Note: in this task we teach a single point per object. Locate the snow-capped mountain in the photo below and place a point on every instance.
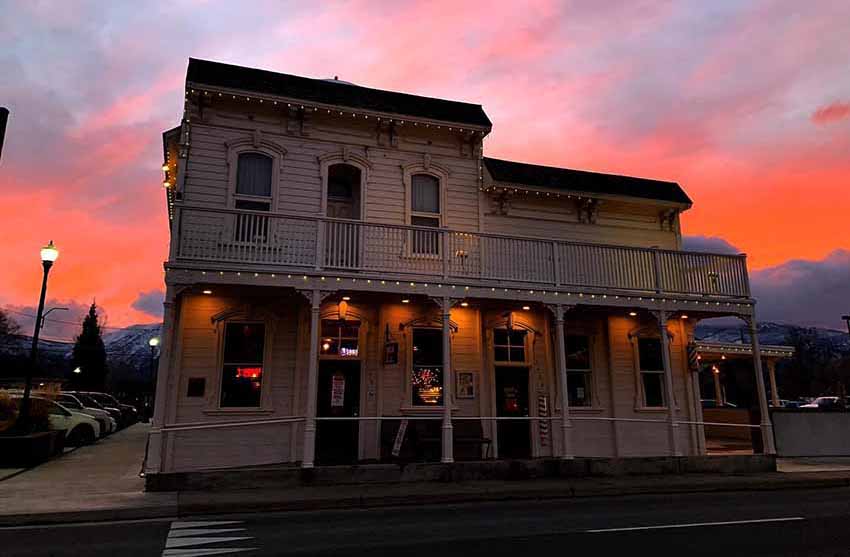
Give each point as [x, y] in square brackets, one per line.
[770, 333]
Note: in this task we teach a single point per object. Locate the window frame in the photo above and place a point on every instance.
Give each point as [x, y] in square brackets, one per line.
[359, 337]
[265, 382]
[413, 406]
[258, 145]
[640, 391]
[590, 376]
[526, 362]
[427, 168]
[346, 156]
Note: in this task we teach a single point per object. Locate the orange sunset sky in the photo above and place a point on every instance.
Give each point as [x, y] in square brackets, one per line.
[746, 104]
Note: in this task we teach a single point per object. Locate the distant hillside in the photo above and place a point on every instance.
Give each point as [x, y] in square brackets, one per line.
[771, 333]
[127, 351]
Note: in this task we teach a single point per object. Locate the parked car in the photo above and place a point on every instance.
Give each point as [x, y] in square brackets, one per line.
[824, 403]
[91, 402]
[80, 429]
[789, 403]
[129, 413]
[107, 423]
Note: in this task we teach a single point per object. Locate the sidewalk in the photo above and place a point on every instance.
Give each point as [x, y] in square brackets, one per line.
[95, 482]
[101, 482]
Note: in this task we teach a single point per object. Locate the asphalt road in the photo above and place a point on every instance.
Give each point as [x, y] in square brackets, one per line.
[799, 523]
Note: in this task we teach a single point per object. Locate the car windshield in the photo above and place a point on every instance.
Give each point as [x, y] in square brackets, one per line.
[89, 401]
[69, 402]
[103, 399]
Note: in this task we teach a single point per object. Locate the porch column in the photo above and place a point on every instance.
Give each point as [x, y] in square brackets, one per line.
[566, 423]
[766, 425]
[668, 383]
[165, 368]
[309, 456]
[718, 389]
[771, 375]
[448, 383]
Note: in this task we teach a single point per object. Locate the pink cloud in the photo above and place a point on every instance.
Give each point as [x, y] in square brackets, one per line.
[831, 113]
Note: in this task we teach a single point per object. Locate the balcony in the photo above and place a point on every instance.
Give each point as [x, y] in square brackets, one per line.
[309, 244]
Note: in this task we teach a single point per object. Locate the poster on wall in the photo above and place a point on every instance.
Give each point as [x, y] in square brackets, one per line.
[465, 385]
[390, 353]
[337, 390]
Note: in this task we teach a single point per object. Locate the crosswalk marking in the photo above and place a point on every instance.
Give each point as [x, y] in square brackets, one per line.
[186, 532]
[184, 537]
[203, 552]
[202, 524]
[183, 542]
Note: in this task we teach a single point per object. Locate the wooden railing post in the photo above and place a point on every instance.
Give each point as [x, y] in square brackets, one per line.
[556, 263]
[320, 244]
[656, 268]
[445, 241]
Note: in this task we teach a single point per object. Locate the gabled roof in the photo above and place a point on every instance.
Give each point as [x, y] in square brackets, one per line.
[333, 92]
[511, 172]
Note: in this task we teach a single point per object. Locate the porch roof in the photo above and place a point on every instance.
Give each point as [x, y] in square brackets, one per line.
[583, 181]
[734, 349]
[334, 92]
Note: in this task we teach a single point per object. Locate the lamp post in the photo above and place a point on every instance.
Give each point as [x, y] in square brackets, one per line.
[49, 253]
[153, 343]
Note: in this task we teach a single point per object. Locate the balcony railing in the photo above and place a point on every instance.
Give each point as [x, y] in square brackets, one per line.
[311, 243]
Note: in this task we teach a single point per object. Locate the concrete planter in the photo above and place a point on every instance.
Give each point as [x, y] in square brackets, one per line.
[30, 450]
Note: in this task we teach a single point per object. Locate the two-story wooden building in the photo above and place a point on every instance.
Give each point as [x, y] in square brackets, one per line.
[345, 263]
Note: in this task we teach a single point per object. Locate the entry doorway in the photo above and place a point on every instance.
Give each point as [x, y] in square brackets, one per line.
[337, 441]
[514, 436]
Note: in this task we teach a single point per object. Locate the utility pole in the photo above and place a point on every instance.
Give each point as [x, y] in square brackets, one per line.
[4, 117]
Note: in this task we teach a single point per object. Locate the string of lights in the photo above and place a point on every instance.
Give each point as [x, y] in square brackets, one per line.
[554, 293]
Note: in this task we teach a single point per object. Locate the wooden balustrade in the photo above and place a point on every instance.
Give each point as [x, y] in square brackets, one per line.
[293, 241]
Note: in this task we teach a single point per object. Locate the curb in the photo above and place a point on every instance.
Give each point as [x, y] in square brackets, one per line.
[265, 501]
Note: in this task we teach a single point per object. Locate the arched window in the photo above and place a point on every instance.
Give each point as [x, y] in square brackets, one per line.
[254, 182]
[425, 210]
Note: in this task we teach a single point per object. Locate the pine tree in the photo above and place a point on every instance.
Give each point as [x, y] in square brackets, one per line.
[90, 354]
[8, 326]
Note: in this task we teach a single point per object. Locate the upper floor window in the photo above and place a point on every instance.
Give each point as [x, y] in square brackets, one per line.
[509, 345]
[651, 366]
[242, 368]
[579, 370]
[254, 182]
[425, 210]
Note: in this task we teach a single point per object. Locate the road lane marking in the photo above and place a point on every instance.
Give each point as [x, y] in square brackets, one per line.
[184, 537]
[695, 524]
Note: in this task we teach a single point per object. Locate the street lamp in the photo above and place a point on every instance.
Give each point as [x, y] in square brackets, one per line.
[153, 343]
[49, 254]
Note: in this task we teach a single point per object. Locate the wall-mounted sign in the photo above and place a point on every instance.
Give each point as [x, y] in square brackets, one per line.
[390, 353]
[399, 438]
[337, 390]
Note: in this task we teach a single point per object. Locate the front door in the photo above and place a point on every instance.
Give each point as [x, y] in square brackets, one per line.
[339, 396]
[514, 436]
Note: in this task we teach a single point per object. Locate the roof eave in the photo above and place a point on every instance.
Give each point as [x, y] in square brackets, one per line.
[681, 205]
[450, 125]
